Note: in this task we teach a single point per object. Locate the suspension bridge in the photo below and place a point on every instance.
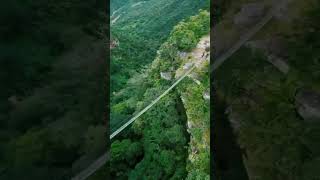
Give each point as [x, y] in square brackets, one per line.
[216, 64]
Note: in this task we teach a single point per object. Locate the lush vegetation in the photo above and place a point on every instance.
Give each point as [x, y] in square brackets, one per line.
[198, 115]
[149, 25]
[219, 7]
[52, 69]
[278, 143]
[155, 147]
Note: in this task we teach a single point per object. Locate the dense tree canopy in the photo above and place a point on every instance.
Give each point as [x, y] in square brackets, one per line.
[162, 130]
[52, 68]
[276, 141]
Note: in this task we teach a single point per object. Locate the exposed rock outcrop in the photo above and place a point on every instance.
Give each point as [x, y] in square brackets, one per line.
[187, 66]
[166, 75]
[274, 45]
[206, 95]
[183, 55]
[249, 14]
[308, 105]
[114, 44]
[274, 49]
[234, 119]
[282, 14]
[14, 100]
[279, 63]
[195, 78]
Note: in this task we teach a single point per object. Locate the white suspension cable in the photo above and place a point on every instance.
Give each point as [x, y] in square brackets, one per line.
[152, 103]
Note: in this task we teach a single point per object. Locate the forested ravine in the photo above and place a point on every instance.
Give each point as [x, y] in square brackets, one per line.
[183, 117]
[52, 98]
[270, 87]
[228, 155]
[160, 136]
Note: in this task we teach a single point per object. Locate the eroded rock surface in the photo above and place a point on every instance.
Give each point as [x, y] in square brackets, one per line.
[308, 105]
[249, 14]
[206, 95]
[234, 119]
[166, 75]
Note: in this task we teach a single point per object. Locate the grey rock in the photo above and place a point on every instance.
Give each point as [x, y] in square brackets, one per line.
[183, 99]
[183, 55]
[249, 14]
[308, 105]
[282, 14]
[234, 119]
[274, 45]
[206, 95]
[277, 46]
[194, 150]
[279, 63]
[187, 66]
[195, 78]
[13, 100]
[166, 75]
[114, 44]
[257, 44]
[190, 125]
[275, 51]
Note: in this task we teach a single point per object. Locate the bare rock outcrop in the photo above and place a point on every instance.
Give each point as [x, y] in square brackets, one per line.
[308, 105]
[274, 49]
[282, 14]
[195, 77]
[166, 75]
[187, 66]
[234, 119]
[182, 54]
[249, 14]
[274, 45]
[279, 63]
[206, 95]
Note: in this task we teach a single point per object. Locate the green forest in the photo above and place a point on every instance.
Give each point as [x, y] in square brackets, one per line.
[158, 144]
[263, 121]
[52, 99]
[263, 99]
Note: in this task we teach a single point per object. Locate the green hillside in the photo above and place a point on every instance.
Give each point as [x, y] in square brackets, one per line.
[260, 95]
[156, 146]
[149, 25]
[52, 68]
[140, 30]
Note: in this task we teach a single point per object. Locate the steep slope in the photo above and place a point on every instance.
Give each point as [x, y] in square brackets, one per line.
[140, 28]
[266, 86]
[195, 95]
[52, 68]
[148, 24]
[160, 134]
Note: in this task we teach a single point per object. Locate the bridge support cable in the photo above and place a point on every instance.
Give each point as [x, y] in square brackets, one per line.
[152, 103]
[217, 63]
[92, 168]
[103, 159]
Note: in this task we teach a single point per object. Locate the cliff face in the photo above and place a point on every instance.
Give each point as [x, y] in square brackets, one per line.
[162, 129]
[270, 96]
[141, 27]
[52, 65]
[195, 96]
